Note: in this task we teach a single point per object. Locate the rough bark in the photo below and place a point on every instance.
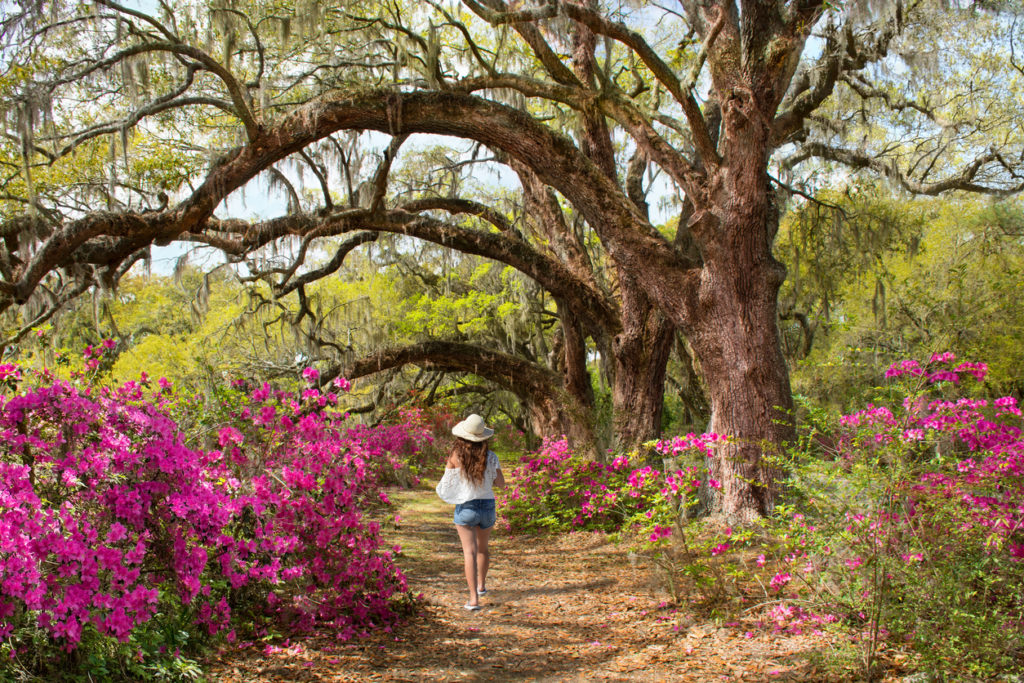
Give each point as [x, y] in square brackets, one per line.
[734, 332]
[737, 344]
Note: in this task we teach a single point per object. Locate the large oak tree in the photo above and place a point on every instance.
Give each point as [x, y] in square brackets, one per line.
[129, 129]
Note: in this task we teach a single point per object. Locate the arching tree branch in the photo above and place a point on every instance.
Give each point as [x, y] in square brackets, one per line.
[240, 237]
[628, 236]
[538, 387]
[459, 206]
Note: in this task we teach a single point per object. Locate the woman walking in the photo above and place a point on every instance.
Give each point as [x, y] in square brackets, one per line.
[470, 474]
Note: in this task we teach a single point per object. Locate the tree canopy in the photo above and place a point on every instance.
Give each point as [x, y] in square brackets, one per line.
[127, 129]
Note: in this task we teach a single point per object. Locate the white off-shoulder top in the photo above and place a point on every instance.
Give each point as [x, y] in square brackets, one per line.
[454, 488]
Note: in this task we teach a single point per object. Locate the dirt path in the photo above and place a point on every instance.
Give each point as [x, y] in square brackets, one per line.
[566, 608]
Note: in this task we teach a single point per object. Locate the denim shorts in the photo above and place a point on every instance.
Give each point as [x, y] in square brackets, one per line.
[479, 512]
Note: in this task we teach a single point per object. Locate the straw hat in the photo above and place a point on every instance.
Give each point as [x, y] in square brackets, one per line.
[473, 428]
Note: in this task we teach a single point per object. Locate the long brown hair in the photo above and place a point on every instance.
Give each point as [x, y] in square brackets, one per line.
[472, 456]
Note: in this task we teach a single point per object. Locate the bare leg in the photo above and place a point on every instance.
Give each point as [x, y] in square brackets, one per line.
[467, 535]
[483, 557]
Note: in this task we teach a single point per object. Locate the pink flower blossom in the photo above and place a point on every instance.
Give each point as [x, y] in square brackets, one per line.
[780, 580]
[131, 487]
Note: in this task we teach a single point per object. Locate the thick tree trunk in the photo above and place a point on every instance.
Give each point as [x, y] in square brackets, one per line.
[750, 398]
[735, 337]
[732, 322]
[550, 419]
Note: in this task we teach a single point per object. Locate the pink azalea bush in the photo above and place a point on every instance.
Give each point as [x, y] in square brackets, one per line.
[902, 524]
[912, 529]
[549, 489]
[556, 490]
[115, 526]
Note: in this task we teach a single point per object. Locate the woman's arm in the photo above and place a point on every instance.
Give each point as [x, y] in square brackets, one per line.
[499, 478]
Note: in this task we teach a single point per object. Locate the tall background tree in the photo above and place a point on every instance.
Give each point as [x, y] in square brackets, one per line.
[127, 129]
